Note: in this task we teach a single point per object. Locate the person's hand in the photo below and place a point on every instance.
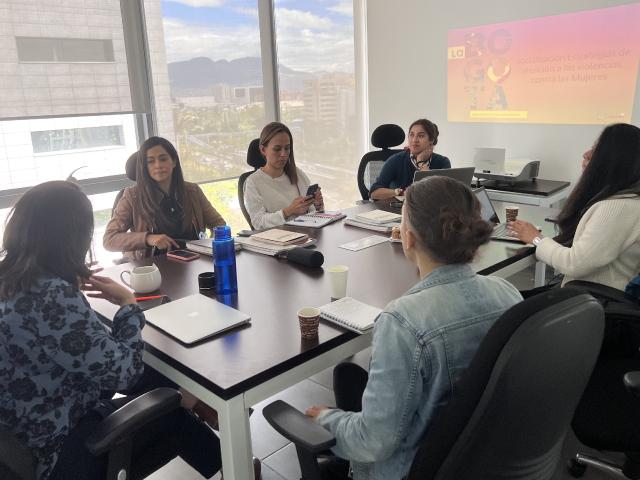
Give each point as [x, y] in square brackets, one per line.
[161, 241]
[316, 410]
[299, 206]
[399, 192]
[318, 201]
[103, 287]
[395, 233]
[525, 231]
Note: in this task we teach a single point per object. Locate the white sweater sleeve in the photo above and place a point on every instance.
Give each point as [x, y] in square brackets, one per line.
[608, 228]
[254, 204]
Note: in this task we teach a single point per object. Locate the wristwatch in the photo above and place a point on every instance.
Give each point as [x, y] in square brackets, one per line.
[536, 241]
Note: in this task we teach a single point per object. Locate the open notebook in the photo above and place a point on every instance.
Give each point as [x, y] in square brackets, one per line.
[350, 313]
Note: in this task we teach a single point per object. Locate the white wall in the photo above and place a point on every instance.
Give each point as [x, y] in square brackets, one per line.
[407, 78]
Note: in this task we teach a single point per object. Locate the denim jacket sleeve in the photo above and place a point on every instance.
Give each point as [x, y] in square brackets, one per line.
[390, 400]
[76, 339]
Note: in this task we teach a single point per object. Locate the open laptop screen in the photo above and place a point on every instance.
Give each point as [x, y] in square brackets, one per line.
[487, 211]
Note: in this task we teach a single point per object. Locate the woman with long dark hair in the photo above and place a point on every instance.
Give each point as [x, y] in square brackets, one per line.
[59, 364]
[276, 192]
[161, 209]
[599, 226]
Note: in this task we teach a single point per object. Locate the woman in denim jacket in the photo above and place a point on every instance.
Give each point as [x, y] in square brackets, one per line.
[423, 341]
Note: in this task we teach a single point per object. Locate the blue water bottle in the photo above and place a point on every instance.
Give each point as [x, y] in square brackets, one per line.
[224, 260]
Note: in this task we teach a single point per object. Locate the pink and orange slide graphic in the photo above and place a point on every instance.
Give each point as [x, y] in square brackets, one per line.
[575, 68]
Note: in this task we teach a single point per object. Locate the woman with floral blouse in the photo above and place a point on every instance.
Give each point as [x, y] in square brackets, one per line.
[59, 364]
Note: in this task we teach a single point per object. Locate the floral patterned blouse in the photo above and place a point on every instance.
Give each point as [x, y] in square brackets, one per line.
[56, 357]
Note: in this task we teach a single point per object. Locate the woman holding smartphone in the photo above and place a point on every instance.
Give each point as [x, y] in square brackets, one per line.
[279, 191]
[59, 364]
[161, 209]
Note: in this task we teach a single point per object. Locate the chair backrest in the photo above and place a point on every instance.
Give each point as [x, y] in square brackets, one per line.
[130, 170]
[16, 461]
[384, 137]
[255, 160]
[512, 409]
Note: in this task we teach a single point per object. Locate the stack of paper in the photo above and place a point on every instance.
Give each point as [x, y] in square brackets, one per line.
[279, 237]
[376, 220]
[266, 248]
[378, 217]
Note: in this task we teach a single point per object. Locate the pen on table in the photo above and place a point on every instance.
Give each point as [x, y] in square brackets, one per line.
[150, 297]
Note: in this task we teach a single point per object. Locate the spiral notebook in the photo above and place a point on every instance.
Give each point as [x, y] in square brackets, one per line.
[316, 220]
[351, 314]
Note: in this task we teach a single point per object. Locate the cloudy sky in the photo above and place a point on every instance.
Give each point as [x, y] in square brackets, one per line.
[312, 35]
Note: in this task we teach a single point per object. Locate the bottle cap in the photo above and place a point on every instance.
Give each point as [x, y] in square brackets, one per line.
[222, 233]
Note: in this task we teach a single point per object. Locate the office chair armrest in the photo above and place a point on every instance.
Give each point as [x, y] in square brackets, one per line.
[131, 417]
[602, 292]
[298, 428]
[632, 382]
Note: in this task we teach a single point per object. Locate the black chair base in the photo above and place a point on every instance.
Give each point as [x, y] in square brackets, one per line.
[630, 469]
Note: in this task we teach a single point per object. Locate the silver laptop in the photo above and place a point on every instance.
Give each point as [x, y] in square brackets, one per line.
[464, 175]
[195, 318]
[489, 160]
[488, 213]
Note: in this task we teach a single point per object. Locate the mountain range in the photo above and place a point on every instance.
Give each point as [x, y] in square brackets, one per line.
[196, 76]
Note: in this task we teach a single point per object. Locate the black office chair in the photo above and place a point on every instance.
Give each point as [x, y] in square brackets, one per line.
[130, 170]
[256, 160]
[608, 415]
[112, 437]
[510, 413]
[384, 137]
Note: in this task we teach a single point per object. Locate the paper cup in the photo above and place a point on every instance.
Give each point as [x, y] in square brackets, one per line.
[338, 278]
[511, 212]
[309, 319]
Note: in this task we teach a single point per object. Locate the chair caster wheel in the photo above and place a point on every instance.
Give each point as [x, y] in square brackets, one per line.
[576, 469]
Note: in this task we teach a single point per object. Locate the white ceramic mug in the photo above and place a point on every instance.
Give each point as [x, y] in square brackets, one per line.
[143, 279]
[338, 277]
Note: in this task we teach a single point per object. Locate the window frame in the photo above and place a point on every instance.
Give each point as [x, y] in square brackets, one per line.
[142, 94]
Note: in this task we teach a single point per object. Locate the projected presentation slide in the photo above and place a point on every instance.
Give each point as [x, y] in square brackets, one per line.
[576, 68]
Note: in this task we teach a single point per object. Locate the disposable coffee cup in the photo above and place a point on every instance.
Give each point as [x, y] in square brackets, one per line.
[511, 213]
[309, 319]
[338, 278]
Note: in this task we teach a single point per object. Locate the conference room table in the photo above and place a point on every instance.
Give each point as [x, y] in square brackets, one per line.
[237, 369]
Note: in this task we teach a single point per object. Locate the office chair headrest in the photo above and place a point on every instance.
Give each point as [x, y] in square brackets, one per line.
[254, 157]
[130, 166]
[387, 136]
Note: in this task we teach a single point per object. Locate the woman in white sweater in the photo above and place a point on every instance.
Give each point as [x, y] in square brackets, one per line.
[599, 238]
[277, 192]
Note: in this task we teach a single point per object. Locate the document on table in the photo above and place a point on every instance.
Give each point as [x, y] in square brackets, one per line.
[365, 242]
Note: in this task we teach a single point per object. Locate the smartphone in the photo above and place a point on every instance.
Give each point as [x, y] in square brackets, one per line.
[154, 302]
[182, 255]
[311, 191]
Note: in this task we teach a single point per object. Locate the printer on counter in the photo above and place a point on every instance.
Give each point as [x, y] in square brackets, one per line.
[490, 164]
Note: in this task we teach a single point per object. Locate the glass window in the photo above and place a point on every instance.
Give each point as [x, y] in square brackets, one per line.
[213, 104]
[38, 49]
[77, 138]
[317, 92]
